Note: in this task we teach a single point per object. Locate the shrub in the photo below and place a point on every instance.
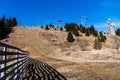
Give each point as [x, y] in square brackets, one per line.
[97, 44]
[70, 37]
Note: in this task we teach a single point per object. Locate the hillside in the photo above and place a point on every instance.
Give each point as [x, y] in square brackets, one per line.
[51, 46]
[52, 43]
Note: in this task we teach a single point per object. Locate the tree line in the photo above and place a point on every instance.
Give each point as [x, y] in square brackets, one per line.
[51, 26]
[6, 26]
[74, 29]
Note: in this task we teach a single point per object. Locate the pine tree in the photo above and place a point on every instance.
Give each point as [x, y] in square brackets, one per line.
[13, 22]
[83, 29]
[87, 32]
[6, 26]
[51, 25]
[4, 21]
[78, 27]
[1, 29]
[46, 27]
[102, 37]
[70, 27]
[92, 29]
[97, 44]
[41, 26]
[75, 32]
[95, 33]
[70, 37]
[81, 26]
[61, 28]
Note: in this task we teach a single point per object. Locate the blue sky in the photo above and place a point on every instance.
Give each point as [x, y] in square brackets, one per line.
[42, 12]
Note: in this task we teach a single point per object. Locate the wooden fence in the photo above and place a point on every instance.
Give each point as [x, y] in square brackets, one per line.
[13, 62]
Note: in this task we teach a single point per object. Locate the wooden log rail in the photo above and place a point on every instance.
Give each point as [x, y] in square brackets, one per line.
[13, 62]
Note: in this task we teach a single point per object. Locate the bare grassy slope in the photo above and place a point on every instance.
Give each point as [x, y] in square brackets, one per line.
[53, 43]
[24, 38]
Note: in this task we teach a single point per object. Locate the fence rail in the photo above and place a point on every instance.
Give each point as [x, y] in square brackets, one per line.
[13, 62]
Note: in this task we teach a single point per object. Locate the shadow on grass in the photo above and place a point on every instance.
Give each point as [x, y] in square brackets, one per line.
[38, 70]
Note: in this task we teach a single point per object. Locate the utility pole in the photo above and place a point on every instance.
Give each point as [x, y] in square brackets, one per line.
[59, 23]
[83, 20]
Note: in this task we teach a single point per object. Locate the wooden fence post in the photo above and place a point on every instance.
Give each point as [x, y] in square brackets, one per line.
[21, 69]
[4, 57]
[16, 56]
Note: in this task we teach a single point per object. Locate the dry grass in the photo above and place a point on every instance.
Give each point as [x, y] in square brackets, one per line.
[90, 71]
[51, 47]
